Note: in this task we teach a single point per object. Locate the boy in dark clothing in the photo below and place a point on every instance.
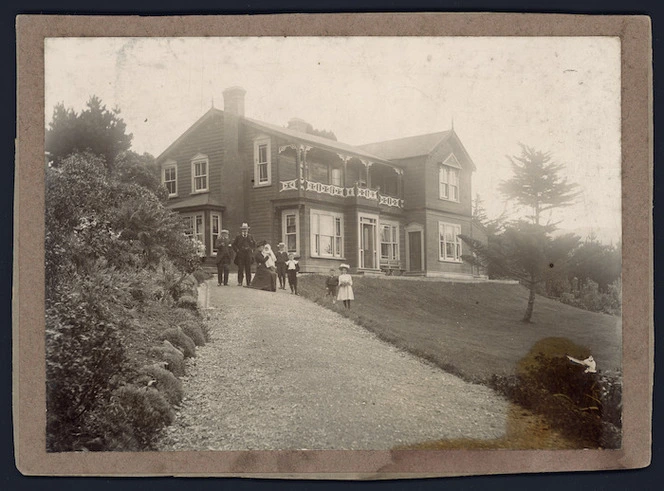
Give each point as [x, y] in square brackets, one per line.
[292, 268]
[224, 257]
[332, 283]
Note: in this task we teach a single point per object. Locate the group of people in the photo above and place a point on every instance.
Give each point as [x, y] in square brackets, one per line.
[270, 266]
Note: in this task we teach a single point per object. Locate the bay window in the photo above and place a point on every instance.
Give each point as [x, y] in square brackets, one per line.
[326, 234]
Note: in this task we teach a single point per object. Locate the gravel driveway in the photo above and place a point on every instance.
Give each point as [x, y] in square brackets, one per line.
[284, 373]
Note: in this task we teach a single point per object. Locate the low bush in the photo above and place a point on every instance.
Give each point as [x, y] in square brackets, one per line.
[188, 302]
[590, 298]
[139, 412]
[172, 357]
[195, 332]
[187, 286]
[165, 382]
[201, 275]
[180, 340]
[585, 407]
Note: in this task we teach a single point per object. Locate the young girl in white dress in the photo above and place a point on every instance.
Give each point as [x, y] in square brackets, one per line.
[345, 286]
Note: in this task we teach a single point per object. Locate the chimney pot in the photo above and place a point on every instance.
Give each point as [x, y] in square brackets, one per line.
[298, 124]
[234, 100]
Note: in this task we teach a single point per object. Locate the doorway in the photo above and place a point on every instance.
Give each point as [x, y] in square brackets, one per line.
[415, 251]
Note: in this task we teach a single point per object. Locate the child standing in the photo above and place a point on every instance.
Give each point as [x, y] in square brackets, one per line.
[331, 283]
[292, 268]
[345, 286]
[282, 258]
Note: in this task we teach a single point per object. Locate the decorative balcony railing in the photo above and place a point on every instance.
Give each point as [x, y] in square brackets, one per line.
[332, 190]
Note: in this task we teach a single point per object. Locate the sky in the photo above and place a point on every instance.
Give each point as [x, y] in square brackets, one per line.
[556, 94]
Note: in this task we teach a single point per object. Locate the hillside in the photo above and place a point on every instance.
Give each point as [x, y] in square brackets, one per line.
[472, 329]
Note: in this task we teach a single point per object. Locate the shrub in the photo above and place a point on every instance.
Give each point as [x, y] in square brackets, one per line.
[585, 407]
[188, 302]
[171, 356]
[187, 286]
[180, 340]
[201, 275]
[195, 332]
[139, 412]
[166, 383]
[85, 358]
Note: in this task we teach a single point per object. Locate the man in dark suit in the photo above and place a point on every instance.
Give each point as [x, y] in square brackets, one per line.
[244, 245]
[224, 257]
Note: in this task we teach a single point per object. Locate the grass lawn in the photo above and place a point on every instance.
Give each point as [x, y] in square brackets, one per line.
[473, 329]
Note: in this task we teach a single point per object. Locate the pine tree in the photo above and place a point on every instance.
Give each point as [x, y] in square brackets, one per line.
[95, 129]
[524, 249]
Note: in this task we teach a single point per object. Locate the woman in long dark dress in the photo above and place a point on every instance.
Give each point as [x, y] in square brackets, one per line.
[265, 278]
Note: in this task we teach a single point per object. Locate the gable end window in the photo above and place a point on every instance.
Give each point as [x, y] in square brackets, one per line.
[448, 179]
[262, 162]
[169, 178]
[199, 174]
[450, 243]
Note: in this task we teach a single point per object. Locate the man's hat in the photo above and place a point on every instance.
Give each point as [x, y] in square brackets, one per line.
[344, 266]
[244, 226]
[224, 231]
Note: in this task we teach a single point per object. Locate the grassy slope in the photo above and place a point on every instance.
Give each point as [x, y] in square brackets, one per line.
[472, 329]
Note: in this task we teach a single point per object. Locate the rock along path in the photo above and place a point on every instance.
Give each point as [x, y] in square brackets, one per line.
[284, 373]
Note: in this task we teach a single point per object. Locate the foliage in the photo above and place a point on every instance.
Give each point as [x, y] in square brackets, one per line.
[524, 249]
[165, 382]
[590, 298]
[180, 340]
[173, 358]
[140, 412]
[584, 406]
[536, 183]
[188, 302]
[598, 262]
[95, 129]
[201, 275]
[195, 332]
[312, 131]
[84, 352]
[113, 253]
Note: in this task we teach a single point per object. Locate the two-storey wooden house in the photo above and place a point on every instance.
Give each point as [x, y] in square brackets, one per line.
[395, 205]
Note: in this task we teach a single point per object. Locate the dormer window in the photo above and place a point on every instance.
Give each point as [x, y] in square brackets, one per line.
[169, 178]
[448, 179]
[262, 163]
[199, 174]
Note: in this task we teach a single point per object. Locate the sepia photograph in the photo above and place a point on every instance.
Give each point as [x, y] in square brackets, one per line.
[277, 248]
[344, 243]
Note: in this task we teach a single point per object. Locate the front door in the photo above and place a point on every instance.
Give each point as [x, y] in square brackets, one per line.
[368, 243]
[415, 250]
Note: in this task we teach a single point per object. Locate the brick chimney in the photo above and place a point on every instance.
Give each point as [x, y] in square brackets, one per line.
[298, 124]
[234, 100]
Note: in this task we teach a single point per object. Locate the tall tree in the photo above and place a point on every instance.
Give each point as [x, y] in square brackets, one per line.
[95, 129]
[524, 250]
[536, 183]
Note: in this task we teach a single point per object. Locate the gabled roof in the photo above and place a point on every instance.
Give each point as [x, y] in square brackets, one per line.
[314, 140]
[318, 141]
[404, 148]
[414, 146]
[211, 112]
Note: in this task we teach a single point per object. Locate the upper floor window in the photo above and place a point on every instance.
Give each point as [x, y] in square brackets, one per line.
[199, 174]
[169, 178]
[262, 163]
[335, 177]
[450, 243]
[448, 178]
